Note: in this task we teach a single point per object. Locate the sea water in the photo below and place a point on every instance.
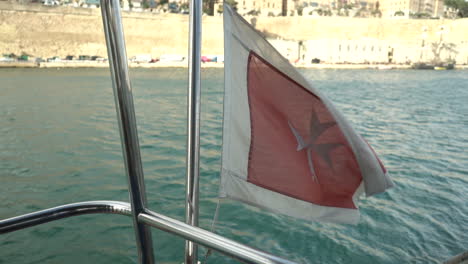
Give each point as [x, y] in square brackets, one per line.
[59, 143]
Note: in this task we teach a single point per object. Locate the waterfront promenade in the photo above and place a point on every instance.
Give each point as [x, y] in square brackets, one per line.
[92, 64]
[46, 32]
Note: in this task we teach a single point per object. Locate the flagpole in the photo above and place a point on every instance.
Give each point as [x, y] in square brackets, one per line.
[193, 126]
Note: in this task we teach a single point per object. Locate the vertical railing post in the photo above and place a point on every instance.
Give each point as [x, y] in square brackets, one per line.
[113, 29]
[193, 125]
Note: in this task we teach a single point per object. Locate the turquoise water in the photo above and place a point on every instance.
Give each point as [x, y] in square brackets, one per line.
[59, 143]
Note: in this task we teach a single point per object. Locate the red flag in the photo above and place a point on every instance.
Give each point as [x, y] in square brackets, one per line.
[285, 147]
[285, 115]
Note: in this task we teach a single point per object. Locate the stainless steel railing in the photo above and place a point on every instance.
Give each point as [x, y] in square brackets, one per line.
[118, 63]
[210, 240]
[64, 211]
[147, 218]
[193, 126]
[143, 218]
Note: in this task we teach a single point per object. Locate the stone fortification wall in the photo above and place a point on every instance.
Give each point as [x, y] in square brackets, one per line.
[302, 28]
[361, 40]
[61, 31]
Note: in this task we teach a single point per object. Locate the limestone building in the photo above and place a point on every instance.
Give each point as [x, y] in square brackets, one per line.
[263, 7]
[406, 8]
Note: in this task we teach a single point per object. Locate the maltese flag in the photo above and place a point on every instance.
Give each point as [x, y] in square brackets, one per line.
[285, 146]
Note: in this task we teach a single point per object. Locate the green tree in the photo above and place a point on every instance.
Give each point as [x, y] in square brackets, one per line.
[299, 9]
[232, 3]
[184, 6]
[208, 7]
[438, 47]
[460, 5]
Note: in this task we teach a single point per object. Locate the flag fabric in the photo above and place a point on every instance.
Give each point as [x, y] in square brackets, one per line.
[285, 146]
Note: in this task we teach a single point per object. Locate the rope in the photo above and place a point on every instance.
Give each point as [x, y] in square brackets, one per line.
[212, 229]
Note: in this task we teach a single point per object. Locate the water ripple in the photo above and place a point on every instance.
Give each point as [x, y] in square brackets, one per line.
[60, 143]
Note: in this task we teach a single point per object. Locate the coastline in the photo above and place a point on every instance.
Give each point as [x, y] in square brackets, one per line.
[184, 64]
[34, 30]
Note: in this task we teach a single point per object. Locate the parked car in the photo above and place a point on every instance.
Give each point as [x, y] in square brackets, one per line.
[84, 57]
[6, 59]
[209, 58]
[54, 59]
[51, 2]
[171, 58]
[97, 58]
[141, 58]
[173, 7]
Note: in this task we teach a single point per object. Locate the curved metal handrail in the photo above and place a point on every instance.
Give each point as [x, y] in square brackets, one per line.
[64, 211]
[191, 233]
[210, 240]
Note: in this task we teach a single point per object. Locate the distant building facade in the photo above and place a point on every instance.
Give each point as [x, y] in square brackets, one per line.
[363, 51]
[407, 8]
[261, 7]
[387, 8]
